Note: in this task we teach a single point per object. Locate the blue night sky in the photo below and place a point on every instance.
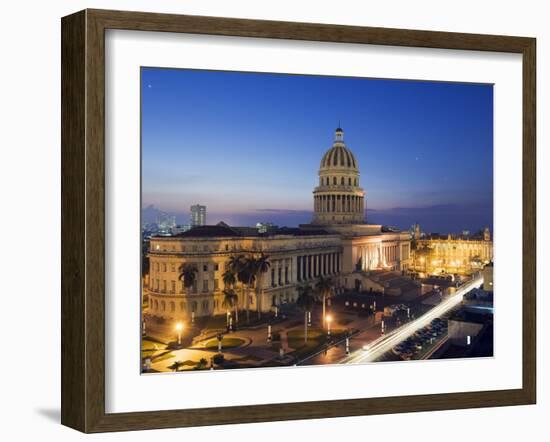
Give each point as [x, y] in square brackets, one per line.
[248, 146]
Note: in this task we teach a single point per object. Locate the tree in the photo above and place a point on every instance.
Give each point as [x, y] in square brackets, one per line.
[229, 300]
[261, 266]
[203, 363]
[188, 274]
[229, 282]
[237, 266]
[176, 366]
[305, 303]
[325, 288]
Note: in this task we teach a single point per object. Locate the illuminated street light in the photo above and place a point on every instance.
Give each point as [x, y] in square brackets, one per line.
[328, 320]
[179, 329]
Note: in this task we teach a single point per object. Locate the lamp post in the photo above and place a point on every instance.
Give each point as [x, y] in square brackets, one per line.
[269, 337]
[179, 329]
[220, 338]
[383, 326]
[328, 320]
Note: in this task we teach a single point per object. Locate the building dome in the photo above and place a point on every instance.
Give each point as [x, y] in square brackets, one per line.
[339, 156]
[338, 199]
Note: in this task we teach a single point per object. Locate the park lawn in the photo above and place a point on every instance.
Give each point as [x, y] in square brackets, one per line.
[316, 339]
[164, 356]
[149, 344]
[226, 343]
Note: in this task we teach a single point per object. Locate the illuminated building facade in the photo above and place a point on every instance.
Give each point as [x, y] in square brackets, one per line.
[453, 255]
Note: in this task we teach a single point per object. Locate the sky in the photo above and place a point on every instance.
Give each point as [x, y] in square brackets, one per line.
[249, 145]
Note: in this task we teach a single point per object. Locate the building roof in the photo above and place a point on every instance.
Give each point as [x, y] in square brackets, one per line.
[208, 232]
[223, 230]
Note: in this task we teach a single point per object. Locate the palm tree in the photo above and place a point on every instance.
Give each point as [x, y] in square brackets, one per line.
[176, 366]
[188, 274]
[261, 267]
[324, 287]
[247, 276]
[229, 282]
[305, 303]
[236, 265]
[229, 300]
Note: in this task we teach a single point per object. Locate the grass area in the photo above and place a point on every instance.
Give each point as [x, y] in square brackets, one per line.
[226, 343]
[316, 339]
[150, 344]
[150, 348]
[163, 357]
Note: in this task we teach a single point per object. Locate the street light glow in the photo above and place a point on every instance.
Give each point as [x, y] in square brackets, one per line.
[179, 326]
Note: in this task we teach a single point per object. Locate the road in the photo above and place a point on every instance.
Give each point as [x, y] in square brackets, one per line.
[386, 342]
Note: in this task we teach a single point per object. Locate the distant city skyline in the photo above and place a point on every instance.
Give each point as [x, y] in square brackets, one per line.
[248, 146]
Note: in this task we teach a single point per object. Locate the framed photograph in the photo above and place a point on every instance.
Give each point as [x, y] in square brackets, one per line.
[267, 220]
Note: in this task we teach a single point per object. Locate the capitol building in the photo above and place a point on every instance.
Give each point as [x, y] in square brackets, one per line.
[338, 243]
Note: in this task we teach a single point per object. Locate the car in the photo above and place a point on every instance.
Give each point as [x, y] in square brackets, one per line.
[397, 350]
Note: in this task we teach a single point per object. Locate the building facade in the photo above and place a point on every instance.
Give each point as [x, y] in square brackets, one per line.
[198, 215]
[453, 255]
[338, 243]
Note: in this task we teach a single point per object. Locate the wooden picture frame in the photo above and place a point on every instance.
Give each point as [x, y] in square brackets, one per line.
[83, 220]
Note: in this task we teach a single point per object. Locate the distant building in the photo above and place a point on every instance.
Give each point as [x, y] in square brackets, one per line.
[166, 222]
[180, 229]
[265, 227]
[439, 254]
[416, 231]
[198, 215]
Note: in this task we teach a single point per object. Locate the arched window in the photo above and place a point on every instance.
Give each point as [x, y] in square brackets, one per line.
[172, 306]
[182, 306]
[163, 306]
[334, 181]
[342, 181]
[350, 181]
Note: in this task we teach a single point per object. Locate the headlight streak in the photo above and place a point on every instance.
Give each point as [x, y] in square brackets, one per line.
[386, 342]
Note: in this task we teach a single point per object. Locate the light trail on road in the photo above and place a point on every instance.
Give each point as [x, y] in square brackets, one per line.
[386, 342]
